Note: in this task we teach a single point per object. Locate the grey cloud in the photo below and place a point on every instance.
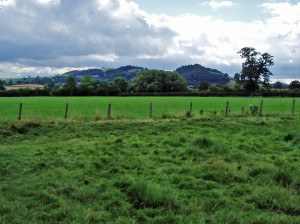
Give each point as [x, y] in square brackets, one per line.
[287, 56]
[40, 34]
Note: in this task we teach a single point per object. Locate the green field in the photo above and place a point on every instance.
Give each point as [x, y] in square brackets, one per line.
[187, 170]
[135, 107]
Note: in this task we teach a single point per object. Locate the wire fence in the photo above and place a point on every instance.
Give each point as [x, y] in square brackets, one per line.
[142, 109]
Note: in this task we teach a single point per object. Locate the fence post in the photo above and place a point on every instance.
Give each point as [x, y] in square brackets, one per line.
[109, 110]
[191, 108]
[20, 111]
[66, 113]
[243, 110]
[227, 107]
[261, 107]
[150, 110]
[293, 109]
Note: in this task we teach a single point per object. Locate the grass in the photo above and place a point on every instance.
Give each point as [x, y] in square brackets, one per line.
[136, 107]
[187, 170]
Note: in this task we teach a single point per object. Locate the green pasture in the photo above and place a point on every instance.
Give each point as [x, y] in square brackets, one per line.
[191, 170]
[136, 107]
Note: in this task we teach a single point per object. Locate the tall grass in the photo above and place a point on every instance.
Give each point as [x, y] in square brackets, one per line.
[189, 170]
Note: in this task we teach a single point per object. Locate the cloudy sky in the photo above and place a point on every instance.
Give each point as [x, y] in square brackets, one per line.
[44, 37]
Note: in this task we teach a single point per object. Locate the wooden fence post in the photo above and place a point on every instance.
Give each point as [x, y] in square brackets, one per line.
[150, 110]
[20, 111]
[109, 111]
[243, 110]
[227, 107]
[66, 113]
[191, 108]
[261, 107]
[293, 109]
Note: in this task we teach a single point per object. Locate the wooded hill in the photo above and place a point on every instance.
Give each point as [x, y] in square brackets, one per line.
[194, 74]
[107, 74]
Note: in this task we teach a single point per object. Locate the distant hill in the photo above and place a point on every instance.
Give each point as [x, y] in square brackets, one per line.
[195, 74]
[107, 74]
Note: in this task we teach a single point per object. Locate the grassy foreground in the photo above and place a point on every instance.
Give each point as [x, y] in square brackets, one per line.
[209, 170]
[135, 107]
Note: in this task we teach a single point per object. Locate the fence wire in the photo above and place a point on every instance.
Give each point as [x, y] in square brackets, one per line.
[138, 107]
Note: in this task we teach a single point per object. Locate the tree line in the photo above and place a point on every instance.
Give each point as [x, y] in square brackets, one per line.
[253, 80]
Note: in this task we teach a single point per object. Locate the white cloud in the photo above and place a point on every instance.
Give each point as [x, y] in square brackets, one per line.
[22, 69]
[215, 5]
[49, 1]
[91, 57]
[283, 12]
[5, 3]
[214, 42]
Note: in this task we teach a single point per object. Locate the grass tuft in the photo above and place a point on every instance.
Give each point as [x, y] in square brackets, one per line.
[203, 142]
[288, 137]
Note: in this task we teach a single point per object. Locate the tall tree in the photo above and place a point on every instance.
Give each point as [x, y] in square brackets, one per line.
[87, 85]
[255, 69]
[2, 85]
[121, 83]
[71, 84]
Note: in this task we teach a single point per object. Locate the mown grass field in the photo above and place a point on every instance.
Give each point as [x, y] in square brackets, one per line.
[188, 170]
[135, 107]
[24, 86]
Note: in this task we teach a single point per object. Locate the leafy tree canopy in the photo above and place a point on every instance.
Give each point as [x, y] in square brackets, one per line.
[159, 81]
[295, 84]
[255, 69]
[87, 81]
[71, 83]
[1, 85]
[203, 86]
[121, 83]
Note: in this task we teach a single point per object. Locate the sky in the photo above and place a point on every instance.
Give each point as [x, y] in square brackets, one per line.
[49, 37]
